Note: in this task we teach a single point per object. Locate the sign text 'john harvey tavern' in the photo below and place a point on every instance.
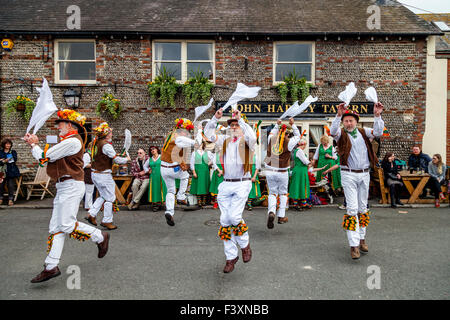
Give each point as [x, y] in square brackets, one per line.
[316, 109]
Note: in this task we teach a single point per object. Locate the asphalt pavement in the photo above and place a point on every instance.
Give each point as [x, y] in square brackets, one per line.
[306, 258]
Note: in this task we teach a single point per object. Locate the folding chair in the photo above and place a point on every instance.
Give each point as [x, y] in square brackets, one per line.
[38, 187]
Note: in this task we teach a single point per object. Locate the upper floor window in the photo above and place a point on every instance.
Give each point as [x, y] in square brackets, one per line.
[294, 57]
[183, 59]
[75, 61]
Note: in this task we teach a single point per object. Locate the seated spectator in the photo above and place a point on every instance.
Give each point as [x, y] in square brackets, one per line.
[140, 171]
[436, 169]
[392, 179]
[418, 160]
[8, 160]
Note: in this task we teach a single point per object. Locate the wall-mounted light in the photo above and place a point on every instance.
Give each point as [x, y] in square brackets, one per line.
[72, 98]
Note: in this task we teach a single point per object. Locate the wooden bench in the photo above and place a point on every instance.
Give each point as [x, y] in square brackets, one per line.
[378, 179]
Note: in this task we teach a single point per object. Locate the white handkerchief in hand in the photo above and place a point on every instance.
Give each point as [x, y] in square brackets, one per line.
[371, 94]
[347, 95]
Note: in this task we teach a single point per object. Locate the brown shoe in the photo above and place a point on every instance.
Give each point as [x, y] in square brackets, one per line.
[109, 226]
[229, 266]
[363, 247]
[1, 201]
[135, 206]
[354, 252]
[169, 219]
[282, 220]
[91, 219]
[247, 254]
[46, 275]
[103, 246]
[10, 203]
[270, 220]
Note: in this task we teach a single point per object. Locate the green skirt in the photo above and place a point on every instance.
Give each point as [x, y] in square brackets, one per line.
[299, 184]
[256, 190]
[156, 189]
[200, 185]
[335, 174]
[215, 181]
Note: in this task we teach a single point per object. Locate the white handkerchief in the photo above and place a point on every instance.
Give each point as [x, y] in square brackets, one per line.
[296, 109]
[347, 95]
[241, 92]
[371, 94]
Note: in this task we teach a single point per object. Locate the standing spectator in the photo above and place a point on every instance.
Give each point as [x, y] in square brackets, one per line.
[140, 171]
[256, 190]
[418, 160]
[326, 156]
[217, 176]
[8, 160]
[200, 161]
[157, 188]
[436, 169]
[299, 189]
[392, 178]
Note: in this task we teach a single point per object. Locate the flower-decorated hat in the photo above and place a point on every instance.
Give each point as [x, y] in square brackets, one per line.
[69, 115]
[352, 113]
[183, 123]
[102, 130]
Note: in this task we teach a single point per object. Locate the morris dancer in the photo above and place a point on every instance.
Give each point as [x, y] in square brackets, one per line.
[237, 151]
[174, 166]
[277, 162]
[65, 166]
[103, 156]
[357, 156]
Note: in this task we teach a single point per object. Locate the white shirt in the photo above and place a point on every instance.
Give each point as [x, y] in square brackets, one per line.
[233, 164]
[200, 152]
[333, 152]
[359, 156]
[301, 155]
[65, 148]
[86, 160]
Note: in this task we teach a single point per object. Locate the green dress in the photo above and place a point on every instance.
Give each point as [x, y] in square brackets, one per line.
[216, 180]
[256, 191]
[156, 187]
[322, 161]
[200, 185]
[299, 184]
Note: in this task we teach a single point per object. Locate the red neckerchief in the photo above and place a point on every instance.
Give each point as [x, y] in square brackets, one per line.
[68, 135]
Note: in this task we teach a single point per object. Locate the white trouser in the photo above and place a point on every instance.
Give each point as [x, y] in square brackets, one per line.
[169, 175]
[231, 199]
[138, 188]
[277, 183]
[107, 190]
[356, 190]
[88, 195]
[69, 194]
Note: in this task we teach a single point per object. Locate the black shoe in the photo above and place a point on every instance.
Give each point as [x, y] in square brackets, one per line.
[169, 219]
[393, 206]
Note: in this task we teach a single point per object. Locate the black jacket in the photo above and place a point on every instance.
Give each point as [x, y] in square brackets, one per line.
[12, 171]
[389, 171]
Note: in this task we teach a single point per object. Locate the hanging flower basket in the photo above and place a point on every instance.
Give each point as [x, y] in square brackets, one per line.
[22, 104]
[163, 89]
[294, 86]
[109, 104]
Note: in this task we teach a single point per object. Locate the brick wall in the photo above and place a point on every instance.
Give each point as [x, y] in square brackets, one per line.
[448, 113]
[397, 69]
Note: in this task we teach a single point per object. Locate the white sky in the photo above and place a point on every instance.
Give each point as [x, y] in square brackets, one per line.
[431, 6]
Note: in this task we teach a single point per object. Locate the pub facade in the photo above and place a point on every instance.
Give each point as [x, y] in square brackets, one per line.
[229, 42]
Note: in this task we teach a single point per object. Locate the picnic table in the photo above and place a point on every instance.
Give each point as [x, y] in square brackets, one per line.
[415, 192]
[121, 191]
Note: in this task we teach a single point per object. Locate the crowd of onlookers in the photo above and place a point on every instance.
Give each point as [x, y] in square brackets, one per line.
[206, 175]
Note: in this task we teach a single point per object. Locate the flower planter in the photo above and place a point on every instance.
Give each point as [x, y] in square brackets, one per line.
[20, 107]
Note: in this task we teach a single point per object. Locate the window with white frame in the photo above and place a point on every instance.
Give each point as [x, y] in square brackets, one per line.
[183, 59]
[294, 57]
[75, 61]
